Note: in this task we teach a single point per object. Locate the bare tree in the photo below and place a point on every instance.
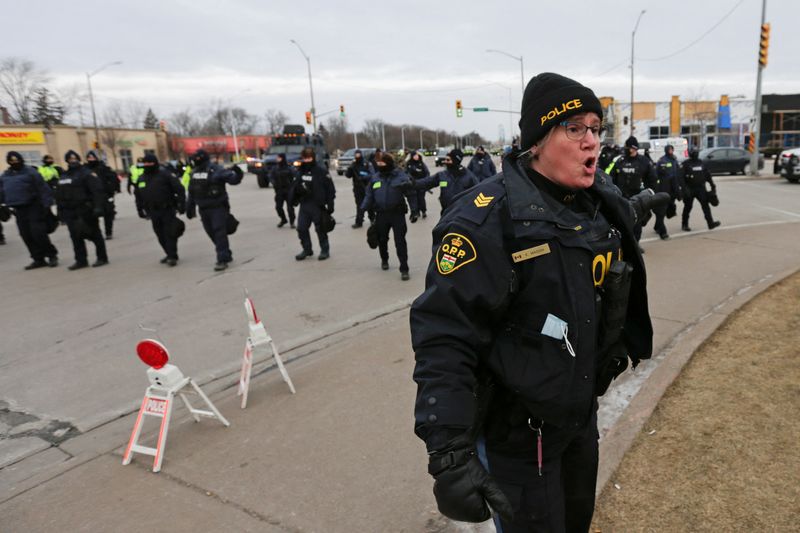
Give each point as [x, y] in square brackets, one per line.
[134, 112]
[184, 123]
[275, 120]
[338, 138]
[19, 80]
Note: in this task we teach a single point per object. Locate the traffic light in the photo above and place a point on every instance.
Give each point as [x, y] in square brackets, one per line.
[764, 45]
[459, 109]
[95, 145]
[341, 111]
[308, 117]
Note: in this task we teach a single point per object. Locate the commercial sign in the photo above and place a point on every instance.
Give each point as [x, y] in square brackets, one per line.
[21, 137]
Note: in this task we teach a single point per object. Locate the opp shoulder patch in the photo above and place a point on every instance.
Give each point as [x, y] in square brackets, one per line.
[455, 251]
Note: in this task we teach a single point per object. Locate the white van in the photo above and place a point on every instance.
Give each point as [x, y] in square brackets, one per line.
[679, 145]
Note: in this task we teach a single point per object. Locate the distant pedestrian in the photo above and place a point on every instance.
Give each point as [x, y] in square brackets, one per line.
[359, 172]
[81, 199]
[111, 186]
[667, 180]
[207, 193]
[452, 181]
[481, 164]
[386, 194]
[282, 177]
[50, 171]
[159, 195]
[417, 170]
[313, 190]
[695, 175]
[25, 191]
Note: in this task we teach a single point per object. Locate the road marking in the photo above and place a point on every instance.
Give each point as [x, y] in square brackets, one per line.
[779, 211]
[722, 229]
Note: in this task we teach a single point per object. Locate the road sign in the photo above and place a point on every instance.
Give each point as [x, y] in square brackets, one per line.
[480, 109]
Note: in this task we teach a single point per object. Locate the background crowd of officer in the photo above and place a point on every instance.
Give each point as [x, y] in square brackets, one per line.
[384, 191]
[632, 172]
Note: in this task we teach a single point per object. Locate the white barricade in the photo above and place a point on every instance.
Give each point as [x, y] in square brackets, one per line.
[165, 382]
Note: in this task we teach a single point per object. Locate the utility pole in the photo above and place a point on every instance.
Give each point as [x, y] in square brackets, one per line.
[633, 38]
[310, 85]
[755, 133]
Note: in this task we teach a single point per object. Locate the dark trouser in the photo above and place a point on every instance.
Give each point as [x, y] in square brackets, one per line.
[358, 193]
[281, 197]
[162, 220]
[32, 226]
[109, 215]
[309, 213]
[661, 214]
[215, 222]
[2, 237]
[562, 498]
[396, 221]
[688, 201]
[416, 202]
[85, 226]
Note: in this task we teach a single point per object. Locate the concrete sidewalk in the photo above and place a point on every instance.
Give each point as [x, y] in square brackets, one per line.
[340, 455]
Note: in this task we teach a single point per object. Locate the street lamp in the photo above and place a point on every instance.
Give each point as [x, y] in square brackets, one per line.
[403, 138]
[91, 98]
[521, 70]
[310, 85]
[421, 147]
[383, 137]
[633, 36]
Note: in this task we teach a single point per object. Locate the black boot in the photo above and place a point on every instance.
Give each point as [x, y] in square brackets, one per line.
[36, 264]
[685, 227]
[302, 255]
[714, 224]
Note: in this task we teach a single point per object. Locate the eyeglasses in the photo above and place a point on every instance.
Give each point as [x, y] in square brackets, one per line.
[577, 131]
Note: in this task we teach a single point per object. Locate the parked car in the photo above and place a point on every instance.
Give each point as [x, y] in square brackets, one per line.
[790, 164]
[441, 153]
[346, 159]
[728, 160]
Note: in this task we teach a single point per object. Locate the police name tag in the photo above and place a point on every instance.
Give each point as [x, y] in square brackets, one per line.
[307, 177]
[530, 253]
[65, 181]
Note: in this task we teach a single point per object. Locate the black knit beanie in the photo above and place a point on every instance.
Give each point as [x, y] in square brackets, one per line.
[549, 99]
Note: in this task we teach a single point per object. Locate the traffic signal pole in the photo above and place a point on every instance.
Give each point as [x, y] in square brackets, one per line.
[755, 133]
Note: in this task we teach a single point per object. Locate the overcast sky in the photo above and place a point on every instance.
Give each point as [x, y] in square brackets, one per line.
[404, 64]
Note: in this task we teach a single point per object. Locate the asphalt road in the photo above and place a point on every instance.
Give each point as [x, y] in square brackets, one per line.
[67, 358]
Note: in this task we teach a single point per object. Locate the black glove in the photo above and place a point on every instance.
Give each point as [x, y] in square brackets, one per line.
[238, 171]
[329, 209]
[142, 213]
[191, 213]
[646, 200]
[180, 208]
[463, 488]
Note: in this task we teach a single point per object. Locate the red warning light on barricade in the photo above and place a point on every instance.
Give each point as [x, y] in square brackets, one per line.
[152, 353]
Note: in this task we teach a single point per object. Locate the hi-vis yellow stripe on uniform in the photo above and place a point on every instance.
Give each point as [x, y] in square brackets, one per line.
[482, 200]
[530, 253]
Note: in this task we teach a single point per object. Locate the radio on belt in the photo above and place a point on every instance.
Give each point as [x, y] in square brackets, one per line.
[166, 381]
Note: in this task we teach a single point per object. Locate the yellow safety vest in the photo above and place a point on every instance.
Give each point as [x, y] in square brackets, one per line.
[136, 173]
[48, 172]
[187, 176]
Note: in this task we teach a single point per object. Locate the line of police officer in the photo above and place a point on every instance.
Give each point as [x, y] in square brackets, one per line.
[632, 172]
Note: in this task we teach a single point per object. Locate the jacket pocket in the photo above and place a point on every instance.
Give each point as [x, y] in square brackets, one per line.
[536, 366]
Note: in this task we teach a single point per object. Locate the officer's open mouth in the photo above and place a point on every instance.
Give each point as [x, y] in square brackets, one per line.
[589, 163]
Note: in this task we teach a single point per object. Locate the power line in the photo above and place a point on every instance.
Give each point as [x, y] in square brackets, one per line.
[712, 28]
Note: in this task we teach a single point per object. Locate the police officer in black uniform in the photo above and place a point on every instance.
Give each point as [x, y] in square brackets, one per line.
[524, 296]
[111, 185]
[668, 174]
[417, 170]
[24, 190]
[632, 173]
[81, 199]
[452, 181]
[159, 194]
[282, 176]
[695, 175]
[208, 194]
[360, 172]
[481, 164]
[313, 190]
[386, 194]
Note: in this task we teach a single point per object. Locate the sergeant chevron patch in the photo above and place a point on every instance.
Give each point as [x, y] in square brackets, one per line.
[482, 200]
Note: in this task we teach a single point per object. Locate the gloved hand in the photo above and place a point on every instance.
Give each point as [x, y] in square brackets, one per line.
[646, 200]
[191, 213]
[463, 488]
[238, 171]
[142, 213]
[329, 209]
[180, 208]
[98, 211]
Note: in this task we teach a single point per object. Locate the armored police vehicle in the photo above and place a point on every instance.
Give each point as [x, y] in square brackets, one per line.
[290, 143]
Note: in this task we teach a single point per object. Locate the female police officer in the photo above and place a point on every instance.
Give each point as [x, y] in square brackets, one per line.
[520, 326]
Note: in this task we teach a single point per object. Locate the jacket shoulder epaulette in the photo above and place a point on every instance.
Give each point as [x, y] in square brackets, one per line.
[476, 203]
